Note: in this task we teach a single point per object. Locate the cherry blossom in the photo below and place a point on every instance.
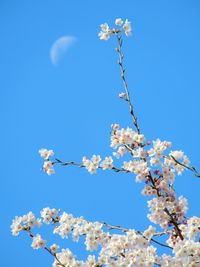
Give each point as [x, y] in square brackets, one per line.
[152, 164]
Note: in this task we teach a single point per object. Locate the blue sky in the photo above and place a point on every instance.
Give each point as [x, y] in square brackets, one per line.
[70, 107]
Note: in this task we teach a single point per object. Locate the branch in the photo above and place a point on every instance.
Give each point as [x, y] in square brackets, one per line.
[193, 169]
[124, 230]
[117, 227]
[120, 62]
[173, 221]
[66, 163]
[28, 230]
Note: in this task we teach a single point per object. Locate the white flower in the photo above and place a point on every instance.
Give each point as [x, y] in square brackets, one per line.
[96, 159]
[93, 164]
[44, 153]
[154, 161]
[122, 95]
[179, 156]
[139, 167]
[20, 222]
[127, 27]
[49, 214]
[38, 242]
[105, 27]
[107, 163]
[120, 152]
[92, 169]
[16, 226]
[54, 248]
[139, 153]
[86, 162]
[115, 126]
[91, 261]
[148, 190]
[158, 205]
[67, 258]
[31, 220]
[105, 32]
[158, 148]
[48, 167]
[50, 171]
[118, 22]
[126, 137]
[149, 232]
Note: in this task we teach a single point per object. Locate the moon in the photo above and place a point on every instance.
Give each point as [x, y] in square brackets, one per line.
[60, 47]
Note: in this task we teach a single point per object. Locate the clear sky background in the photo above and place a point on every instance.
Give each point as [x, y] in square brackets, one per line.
[69, 108]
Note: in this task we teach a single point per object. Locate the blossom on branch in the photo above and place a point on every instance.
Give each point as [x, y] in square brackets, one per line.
[44, 153]
[38, 242]
[106, 32]
[153, 164]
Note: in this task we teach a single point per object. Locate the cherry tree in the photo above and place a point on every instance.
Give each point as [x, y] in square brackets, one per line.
[156, 165]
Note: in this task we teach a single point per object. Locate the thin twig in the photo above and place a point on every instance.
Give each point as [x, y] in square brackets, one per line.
[120, 62]
[28, 230]
[66, 163]
[173, 221]
[117, 227]
[193, 169]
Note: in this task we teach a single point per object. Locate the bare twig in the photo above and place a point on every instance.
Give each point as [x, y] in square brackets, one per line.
[120, 62]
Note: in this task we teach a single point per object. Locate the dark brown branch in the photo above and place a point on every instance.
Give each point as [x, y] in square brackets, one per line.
[173, 221]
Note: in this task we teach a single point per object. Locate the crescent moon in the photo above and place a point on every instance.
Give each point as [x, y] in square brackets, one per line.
[60, 47]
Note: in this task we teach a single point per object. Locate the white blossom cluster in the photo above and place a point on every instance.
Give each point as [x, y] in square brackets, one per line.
[139, 167]
[107, 163]
[157, 151]
[106, 32]
[94, 163]
[48, 215]
[190, 230]
[67, 258]
[127, 249]
[157, 208]
[181, 157]
[125, 137]
[186, 254]
[152, 163]
[48, 165]
[38, 242]
[158, 148]
[21, 222]
[27, 222]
